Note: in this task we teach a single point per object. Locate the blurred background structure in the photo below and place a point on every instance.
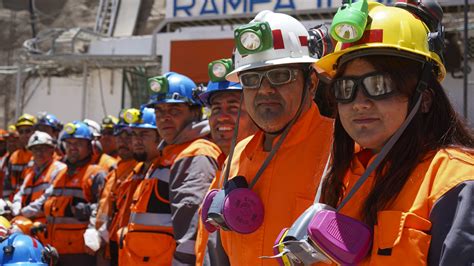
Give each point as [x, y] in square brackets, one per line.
[89, 58]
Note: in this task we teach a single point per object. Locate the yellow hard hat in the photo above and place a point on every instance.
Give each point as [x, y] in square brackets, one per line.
[389, 31]
[26, 120]
[109, 122]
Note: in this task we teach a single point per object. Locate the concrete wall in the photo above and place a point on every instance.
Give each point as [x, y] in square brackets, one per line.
[62, 96]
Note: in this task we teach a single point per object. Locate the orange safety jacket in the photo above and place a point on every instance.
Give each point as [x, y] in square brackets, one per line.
[165, 206]
[29, 200]
[19, 161]
[107, 208]
[287, 186]
[202, 234]
[402, 235]
[66, 207]
[107, 162]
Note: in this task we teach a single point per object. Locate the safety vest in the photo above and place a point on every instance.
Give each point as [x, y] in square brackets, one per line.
[65, 231]
[108, 200]
[19, 161]
[35, 184]
[150, 239]
[287, 186]
[402, 233]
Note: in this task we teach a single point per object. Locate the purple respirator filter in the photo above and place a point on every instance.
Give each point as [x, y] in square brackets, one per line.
[344, 239]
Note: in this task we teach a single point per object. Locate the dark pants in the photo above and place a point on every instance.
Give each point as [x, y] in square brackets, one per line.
[113, 253]
[76, 259]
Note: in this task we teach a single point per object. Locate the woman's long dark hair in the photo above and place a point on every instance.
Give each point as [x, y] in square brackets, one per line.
[436, 128]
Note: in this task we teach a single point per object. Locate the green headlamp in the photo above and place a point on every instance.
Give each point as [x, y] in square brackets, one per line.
[218, 69]
[132, 116]
[253, 38]
[70, 128]
[349, 22]
[158, 84]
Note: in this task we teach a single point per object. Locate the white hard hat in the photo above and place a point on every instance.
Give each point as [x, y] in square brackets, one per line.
[5, 207]
[290, 45]
[93, 126]
[40, 138]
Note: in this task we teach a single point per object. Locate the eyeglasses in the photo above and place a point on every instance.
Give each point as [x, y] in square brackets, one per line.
[375, 86]
[276, 77]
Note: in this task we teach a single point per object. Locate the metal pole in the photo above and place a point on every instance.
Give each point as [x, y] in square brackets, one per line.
[32, 18]
[466, 62]
[84, 90]
[18, 107]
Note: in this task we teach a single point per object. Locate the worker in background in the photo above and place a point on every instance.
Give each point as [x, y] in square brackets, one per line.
[50, 124]
[166, 202]
[21, 158]
[13, 139]
[108, 208]
[145, 140]
[107, 137]
[74, 196]
[38, 177]
[98, 156]
[278, 169]
[223, 99]
[29, 200]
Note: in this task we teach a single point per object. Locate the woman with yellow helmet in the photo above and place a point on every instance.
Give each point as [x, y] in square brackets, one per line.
[402, 163]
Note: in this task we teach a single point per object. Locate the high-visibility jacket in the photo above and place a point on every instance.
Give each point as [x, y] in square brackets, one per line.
[108, 200]
[164, 212]
[287, 186]
[107, 162]
[431, 219]
[72, 198]
[203, 243]
[123, 201]
[19, 161]
[29, 200]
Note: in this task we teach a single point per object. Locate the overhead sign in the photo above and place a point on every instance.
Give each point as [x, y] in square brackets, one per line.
[199, 8]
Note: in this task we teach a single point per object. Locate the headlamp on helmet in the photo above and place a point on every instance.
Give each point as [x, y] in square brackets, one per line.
[70, 128]
[132, 116]
[218, 69]
[253, 38]
[158, 84]
[349, 22]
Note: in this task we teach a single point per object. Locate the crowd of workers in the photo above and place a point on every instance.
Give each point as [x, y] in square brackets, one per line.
[264, 178]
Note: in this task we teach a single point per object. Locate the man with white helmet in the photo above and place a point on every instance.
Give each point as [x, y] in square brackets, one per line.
[29, 200]
[277, 170]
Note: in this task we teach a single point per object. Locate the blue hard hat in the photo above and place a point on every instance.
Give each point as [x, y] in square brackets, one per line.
[221, 86]
[76, 130]
[143, 118]
[19, 249]
[121, 124]
[172, 88]
[49, 120]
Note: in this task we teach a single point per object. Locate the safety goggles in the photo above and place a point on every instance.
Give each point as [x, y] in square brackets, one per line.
[375, 85]
[276, 77]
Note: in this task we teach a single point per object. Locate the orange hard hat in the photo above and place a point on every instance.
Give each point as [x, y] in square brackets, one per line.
[23, 223]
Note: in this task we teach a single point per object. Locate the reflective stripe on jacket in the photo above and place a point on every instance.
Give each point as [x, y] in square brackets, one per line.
[73, 197]
[18, 162]
[287, 187]
[29, 200]
[164, 211]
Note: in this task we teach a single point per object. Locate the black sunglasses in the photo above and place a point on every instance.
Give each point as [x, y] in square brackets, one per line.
[375, 85]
